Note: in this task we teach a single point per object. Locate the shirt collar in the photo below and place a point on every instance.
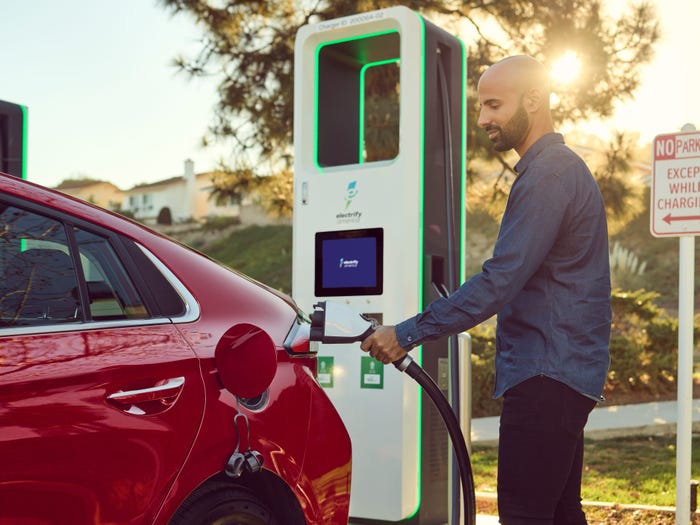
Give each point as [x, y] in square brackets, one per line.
[537, 148]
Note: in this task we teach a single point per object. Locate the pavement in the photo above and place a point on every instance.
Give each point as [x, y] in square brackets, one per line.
[603, 423]
[608, 421]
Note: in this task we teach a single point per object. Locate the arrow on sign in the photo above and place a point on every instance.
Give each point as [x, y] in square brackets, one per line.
[670, 218]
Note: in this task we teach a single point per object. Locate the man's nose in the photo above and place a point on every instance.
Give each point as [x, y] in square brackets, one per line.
[482, 121]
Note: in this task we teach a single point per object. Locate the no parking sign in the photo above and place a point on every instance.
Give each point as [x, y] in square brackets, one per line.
[675, 211]
[675, 189]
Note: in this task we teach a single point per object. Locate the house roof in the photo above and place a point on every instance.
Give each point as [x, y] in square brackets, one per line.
[74, 184]
[164, 182]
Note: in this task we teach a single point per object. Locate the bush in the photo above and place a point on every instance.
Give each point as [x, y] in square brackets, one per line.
[643, 348]
[483, 371]
[643, 354]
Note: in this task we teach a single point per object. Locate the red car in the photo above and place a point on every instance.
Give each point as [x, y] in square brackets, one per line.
[141, 382]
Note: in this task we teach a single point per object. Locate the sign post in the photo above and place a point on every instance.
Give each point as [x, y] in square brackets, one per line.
[675, 211]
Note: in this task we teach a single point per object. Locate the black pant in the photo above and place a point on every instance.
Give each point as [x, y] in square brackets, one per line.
[540, 454]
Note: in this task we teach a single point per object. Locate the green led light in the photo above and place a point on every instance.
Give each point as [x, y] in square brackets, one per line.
[421, 242]
[463, 173]
[362, 60]
[24, 141]
[316, 97]
[362, 100]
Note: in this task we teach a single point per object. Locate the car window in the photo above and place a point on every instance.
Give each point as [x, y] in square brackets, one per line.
[38, 284]
[39, 280]
[112, 294]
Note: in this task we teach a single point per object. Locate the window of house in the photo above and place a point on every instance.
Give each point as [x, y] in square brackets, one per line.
[147, 201]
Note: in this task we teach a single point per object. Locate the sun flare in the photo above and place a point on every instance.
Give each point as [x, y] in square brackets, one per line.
[566, 69]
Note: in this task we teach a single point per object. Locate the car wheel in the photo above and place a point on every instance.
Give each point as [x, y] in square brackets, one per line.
[221, 503]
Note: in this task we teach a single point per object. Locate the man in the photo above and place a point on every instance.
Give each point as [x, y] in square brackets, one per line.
[549, 283]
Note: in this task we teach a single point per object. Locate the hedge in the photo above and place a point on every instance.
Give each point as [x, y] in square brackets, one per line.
[643, 354]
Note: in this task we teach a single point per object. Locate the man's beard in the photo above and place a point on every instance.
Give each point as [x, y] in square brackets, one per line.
[512, 133]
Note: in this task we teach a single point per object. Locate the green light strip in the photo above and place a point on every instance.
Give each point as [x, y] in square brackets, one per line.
[463, 173]
[24, 141]
[317, 75]
[360, 160]
[421, 267]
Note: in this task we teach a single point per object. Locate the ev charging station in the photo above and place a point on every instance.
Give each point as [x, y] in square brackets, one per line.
[379, 185]
[13, 139]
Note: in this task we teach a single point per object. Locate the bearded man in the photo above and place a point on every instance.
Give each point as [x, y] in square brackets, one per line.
[549, 283]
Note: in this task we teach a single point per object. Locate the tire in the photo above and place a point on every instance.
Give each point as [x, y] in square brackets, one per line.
[222, 503]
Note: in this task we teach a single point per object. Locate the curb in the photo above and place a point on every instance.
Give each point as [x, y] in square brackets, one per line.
[490, 496]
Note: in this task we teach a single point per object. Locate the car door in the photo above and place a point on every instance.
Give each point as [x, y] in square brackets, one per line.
[99, 400]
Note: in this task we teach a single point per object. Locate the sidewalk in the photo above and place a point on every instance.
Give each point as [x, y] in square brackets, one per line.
[609, 421]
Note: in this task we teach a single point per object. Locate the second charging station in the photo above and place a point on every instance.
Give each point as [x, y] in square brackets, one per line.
[379, 194]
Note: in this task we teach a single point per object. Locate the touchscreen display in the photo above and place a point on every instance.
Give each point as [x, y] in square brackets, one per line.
[349, 262]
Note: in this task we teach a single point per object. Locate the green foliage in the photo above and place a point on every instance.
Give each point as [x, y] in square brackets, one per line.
[643, 346]
[230, 185]
[626, 269]
[218, 223]
[643, 354]
[249, 46]
[261, 252]
[622, 191]
[483, 371]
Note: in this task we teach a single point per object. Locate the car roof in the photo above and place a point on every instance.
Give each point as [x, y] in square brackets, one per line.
[59, 201]
[125, 226]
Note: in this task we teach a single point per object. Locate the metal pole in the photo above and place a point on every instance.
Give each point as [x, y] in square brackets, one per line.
[686, 287]
[684, 428]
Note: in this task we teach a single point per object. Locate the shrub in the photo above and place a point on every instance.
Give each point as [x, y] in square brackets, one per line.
[483, 371]
[643, 347]
[626, 270]
[643, 354]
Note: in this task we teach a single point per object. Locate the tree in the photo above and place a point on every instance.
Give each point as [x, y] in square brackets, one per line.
[249, 44]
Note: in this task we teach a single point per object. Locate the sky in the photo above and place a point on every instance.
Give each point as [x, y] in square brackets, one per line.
[104, 100]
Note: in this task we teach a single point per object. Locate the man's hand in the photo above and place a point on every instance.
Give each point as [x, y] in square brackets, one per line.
[383, 345]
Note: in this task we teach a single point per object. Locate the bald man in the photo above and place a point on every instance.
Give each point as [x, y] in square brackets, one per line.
[549, 282]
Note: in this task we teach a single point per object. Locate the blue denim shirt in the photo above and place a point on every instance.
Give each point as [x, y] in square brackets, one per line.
[548, 279]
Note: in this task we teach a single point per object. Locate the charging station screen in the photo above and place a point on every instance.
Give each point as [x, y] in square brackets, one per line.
[349, 262]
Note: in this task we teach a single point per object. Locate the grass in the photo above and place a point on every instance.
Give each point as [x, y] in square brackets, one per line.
[261, 252]
[620, 476]
[628, 471]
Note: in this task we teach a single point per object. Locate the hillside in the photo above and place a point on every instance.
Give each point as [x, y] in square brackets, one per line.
[265, 253]
[261, 252]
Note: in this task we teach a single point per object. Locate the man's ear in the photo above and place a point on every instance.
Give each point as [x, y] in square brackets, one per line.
[532, 100]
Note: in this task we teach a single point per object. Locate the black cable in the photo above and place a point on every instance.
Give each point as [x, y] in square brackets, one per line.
[453, 429]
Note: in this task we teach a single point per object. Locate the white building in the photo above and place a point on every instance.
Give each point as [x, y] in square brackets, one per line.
[177, 199]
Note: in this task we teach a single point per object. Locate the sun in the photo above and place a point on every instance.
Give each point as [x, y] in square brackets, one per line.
[565, 70]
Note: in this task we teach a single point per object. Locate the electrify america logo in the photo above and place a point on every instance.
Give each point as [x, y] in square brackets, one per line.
[345, 216]
[350, 193]
[348, 263]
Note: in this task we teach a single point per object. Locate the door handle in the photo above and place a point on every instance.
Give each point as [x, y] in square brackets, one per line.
[169, 389]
